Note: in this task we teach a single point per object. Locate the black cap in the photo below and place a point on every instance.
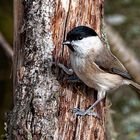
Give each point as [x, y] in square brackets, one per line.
[80, 32]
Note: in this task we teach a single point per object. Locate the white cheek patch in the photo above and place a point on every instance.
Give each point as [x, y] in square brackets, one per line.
[86, 44]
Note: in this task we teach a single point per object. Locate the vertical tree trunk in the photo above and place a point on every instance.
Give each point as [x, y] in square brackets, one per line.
[42, 102]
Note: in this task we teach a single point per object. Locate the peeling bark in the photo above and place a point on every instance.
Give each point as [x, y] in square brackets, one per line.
[42, 98]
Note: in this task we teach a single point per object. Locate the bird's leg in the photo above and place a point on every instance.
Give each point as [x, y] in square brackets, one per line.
[72, 78]
[101, 96]
[65, 69]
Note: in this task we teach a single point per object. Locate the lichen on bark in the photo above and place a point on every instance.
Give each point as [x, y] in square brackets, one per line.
[35, 105]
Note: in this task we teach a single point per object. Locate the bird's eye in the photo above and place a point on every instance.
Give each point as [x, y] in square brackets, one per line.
[79, 38]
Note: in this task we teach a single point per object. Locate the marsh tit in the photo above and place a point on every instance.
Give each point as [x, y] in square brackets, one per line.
[94, 64]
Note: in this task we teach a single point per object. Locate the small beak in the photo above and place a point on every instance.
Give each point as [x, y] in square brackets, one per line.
[66, 42]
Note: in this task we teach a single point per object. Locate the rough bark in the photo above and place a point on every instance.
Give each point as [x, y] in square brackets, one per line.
[42, 98]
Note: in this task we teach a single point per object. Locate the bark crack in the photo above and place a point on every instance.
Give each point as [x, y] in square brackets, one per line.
[65, 26]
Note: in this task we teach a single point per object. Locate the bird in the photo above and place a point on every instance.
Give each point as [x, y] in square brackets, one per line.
[95, 65]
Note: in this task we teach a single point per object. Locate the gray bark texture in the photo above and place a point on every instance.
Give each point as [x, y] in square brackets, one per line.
[43, 99]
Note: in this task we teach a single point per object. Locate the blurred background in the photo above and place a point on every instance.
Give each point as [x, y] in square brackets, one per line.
[124, 17]
[6, 31]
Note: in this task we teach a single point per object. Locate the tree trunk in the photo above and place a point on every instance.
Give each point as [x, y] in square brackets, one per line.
[42, 98]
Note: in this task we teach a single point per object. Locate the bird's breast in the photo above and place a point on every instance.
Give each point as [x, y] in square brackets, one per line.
[84, 70]
[77, 63]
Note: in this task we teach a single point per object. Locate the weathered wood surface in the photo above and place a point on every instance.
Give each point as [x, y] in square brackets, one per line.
[42, 102]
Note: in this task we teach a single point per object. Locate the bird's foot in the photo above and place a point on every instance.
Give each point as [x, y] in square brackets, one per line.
[79, 112]
[73, 79]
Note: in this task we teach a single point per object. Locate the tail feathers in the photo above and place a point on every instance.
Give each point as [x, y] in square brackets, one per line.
[137, 86]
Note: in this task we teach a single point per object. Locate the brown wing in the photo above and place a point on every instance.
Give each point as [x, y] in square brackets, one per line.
[108, 62]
